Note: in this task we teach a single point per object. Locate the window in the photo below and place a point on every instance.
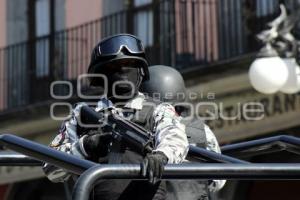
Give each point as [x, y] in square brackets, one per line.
[42, 21]
[266, 7]
[143, 22]
[141, 2]
[143, 27]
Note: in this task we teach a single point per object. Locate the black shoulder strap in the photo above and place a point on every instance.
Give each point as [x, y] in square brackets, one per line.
[194, 128]
[195, 131]
[144, 117]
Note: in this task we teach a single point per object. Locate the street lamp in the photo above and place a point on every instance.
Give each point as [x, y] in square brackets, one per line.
[275, 67]
[292, 85]
[268, 73]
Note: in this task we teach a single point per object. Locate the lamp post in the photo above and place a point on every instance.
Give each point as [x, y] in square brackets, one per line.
[275, 67]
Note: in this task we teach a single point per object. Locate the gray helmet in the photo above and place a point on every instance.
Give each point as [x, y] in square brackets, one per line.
[165, 84]
[169, 83]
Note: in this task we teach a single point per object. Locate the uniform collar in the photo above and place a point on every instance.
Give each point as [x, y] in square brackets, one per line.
[104, 103]
[136, 102]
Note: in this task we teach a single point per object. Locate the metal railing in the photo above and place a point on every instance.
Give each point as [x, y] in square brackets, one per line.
[179, 33]
[244, 150]
[91, 172]
[266, 171]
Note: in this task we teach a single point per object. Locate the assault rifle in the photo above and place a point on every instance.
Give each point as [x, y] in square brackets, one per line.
[131, 134]
[138, 138]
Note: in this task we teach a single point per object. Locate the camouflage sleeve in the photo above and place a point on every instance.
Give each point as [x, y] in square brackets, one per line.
[213, 145]
[66, 141]
[170, 136]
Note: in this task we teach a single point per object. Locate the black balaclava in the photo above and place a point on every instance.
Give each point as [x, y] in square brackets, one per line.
[123, 82]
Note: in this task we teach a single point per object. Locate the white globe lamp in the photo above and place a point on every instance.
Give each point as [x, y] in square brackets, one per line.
[268, 73]
[292, 85]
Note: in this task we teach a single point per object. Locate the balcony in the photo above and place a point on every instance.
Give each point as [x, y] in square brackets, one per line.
[181, 33]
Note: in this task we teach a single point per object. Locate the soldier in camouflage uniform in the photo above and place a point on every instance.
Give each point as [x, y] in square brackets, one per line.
[172, 89]
[121, 59]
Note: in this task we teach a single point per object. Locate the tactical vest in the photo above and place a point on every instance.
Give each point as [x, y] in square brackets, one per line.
[143, 117]
[194, 127]
[177, 190]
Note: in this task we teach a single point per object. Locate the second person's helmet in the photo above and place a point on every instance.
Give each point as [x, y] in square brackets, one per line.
[166, 84]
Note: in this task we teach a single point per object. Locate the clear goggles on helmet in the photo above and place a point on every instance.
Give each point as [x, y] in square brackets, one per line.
[114, 45]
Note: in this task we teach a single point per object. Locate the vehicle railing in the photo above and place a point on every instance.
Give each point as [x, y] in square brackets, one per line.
[266, 171]
[34, 154]
[37, 151]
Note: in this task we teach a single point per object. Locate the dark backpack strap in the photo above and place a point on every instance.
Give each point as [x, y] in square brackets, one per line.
[144, 117]
[195, 132]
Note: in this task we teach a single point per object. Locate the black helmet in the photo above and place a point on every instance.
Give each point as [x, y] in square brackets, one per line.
[118, 49]
[167, 82]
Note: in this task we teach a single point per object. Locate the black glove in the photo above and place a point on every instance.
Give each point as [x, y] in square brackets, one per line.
[96, 144]
[153, 166]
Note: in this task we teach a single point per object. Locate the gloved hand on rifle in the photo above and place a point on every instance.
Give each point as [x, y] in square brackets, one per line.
[95, 143]
[153, 166]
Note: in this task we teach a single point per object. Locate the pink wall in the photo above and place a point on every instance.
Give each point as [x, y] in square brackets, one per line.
[204, 44]
[79, 12]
